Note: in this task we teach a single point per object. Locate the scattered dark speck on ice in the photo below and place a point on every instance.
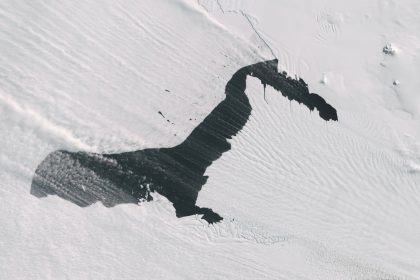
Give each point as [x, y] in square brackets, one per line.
[177, 172]
[160, 113]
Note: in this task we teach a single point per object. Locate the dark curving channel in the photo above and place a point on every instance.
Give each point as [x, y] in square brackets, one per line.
[176, 173]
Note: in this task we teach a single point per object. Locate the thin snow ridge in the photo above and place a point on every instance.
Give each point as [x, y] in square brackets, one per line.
[257, 32]
[246, 17]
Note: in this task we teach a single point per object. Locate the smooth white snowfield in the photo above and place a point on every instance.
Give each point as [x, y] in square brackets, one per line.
[301, 198]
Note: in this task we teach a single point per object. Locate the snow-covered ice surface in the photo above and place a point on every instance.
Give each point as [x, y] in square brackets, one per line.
[301, 198]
